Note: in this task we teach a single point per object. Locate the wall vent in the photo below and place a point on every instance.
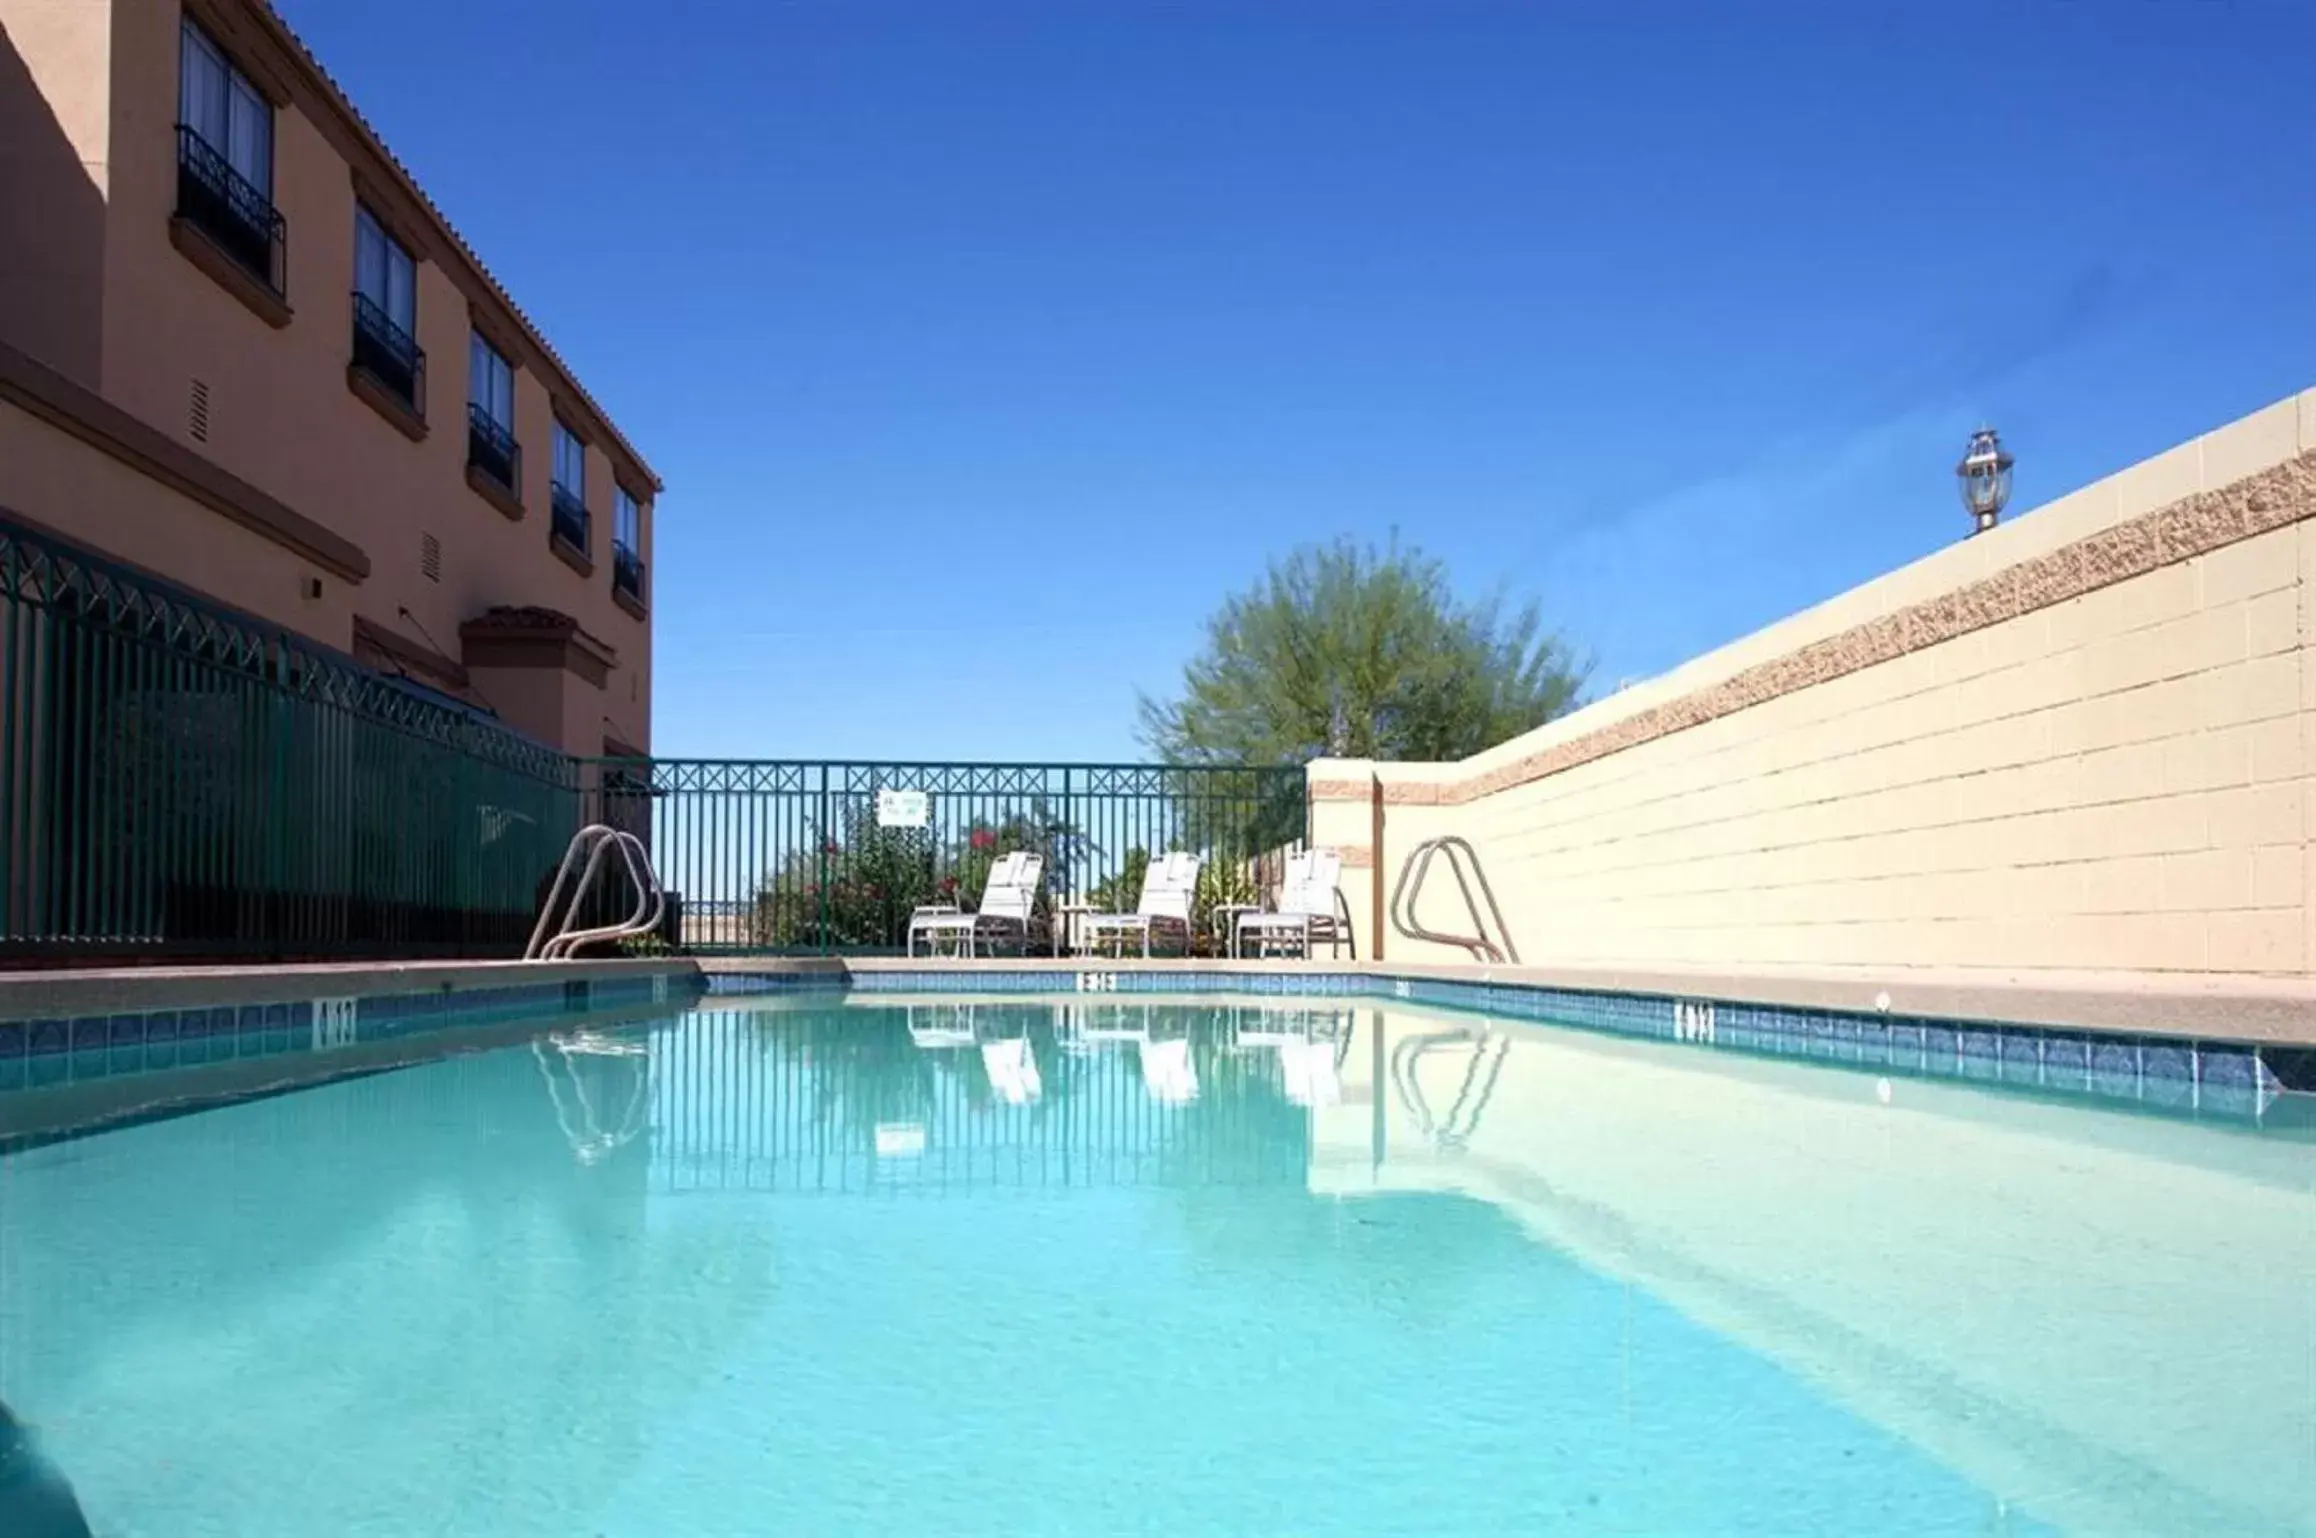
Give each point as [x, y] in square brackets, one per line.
[430, 557]
[197, 420]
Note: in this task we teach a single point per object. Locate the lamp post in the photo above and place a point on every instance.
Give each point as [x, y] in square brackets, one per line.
[1985, 477]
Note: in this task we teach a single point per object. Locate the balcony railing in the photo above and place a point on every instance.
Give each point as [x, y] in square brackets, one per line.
[627, 572]
[493, 450]
[230, 209]
[568, 517]
[389, 354]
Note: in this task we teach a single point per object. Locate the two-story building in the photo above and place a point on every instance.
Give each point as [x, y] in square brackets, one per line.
[242, 351]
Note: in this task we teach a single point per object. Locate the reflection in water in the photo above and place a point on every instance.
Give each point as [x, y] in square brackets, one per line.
[2103, 1318]
[1479, 1055]
[364, 1307]
[594, 1130]
[1004, 1267]
[1310, 1043]
[1012, 1070]
[989, 1094]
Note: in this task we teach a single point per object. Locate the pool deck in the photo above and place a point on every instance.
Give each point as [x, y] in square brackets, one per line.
[2265, 1010]
[2260, 1010]
[104, 990]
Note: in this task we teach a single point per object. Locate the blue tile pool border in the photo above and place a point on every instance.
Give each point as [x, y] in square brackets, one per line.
[43, 1053]
[2171, 1074]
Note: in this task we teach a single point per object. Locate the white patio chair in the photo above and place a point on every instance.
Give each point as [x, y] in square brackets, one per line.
[1311, 909]
[1169, 897]
[1008, 909]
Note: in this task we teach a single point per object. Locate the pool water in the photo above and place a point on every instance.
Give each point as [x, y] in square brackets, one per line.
[850, 1266]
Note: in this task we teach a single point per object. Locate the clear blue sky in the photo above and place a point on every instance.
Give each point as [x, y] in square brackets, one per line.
[985, 344]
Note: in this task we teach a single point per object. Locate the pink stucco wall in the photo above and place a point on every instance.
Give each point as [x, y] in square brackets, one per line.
[280, 413]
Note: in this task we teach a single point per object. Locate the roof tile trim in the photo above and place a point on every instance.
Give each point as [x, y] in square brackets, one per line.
[454, 247]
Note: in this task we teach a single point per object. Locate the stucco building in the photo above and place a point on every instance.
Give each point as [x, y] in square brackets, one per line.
[242, 351]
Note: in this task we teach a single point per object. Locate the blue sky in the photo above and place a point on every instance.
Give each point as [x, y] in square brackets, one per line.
[984, 346]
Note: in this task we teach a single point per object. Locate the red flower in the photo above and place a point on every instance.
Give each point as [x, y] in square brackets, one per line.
[983, 839]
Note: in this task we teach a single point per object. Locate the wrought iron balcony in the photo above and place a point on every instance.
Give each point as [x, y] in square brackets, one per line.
[230, 209]
[568, 517]
[389, 354]
[627, 572]
[493, 450]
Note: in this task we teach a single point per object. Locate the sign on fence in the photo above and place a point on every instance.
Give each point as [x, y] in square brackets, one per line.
[903, 809]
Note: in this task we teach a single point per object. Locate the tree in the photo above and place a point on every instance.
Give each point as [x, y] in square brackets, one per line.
[1346, 651]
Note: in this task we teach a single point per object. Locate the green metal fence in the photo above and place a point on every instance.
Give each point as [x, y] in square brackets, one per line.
[176, 779]
[180, 780]
[830, 858]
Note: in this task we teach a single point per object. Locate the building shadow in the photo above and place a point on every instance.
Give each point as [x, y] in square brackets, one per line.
[52, 214]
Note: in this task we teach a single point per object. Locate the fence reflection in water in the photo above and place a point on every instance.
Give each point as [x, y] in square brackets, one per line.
[902, 1098]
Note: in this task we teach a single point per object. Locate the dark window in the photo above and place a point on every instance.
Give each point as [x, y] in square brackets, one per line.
[626, 544]
[225, 159]
[490, 415]
[569, 513]
[386, 312]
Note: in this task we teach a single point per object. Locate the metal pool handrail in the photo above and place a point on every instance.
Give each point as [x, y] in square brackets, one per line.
[595, 842]
[1411, 874]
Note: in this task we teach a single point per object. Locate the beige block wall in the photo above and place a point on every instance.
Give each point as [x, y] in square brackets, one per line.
[2118, 781]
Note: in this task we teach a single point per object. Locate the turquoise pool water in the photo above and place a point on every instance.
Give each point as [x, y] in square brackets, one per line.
[861, 1266]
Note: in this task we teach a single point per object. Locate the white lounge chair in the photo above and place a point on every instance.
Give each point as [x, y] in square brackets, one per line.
[1169, 898]
[1311, 910]
[1008, 909]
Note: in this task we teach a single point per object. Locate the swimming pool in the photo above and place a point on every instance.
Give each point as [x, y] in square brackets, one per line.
[942, 1264]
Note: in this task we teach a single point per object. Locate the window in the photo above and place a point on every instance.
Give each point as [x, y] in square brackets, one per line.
[626, 544]
[492, 387]
[569, 520]
[626, 522]
[384, 273]
[217, 102]
[225, 159]
[490, 414]
[386, 312]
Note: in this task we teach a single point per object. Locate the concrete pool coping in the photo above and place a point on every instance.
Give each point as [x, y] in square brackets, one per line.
[106, 990]
[2268, 1011]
